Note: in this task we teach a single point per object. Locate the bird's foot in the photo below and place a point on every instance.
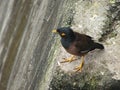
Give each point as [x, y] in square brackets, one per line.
[72, 58]
[79, 68]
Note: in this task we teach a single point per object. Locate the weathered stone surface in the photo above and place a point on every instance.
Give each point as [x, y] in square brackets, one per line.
[29, 51]
[26, 41]
[101, 20]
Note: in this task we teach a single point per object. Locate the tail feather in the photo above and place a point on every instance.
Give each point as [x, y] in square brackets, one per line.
[98, 46]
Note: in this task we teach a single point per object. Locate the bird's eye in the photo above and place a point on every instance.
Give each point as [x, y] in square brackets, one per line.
[63, 34]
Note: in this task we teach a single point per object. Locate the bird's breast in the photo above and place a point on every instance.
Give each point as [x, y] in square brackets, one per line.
[70, 47]
[73, 50]
[65, 43]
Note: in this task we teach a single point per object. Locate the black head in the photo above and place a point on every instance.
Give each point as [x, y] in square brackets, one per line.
[67, 36]
[65, 32]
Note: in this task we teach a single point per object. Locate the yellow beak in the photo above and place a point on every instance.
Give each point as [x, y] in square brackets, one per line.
[54, 31]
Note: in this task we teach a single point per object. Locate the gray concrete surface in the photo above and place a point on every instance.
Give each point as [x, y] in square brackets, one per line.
[26, 42]
[30, 53]
[99, 19]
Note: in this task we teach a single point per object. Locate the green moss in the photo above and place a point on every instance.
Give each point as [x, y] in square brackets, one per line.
[73, 81]
[112, 1]
[92, 84]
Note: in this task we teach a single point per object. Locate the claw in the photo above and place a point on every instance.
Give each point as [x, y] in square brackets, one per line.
[72, 58]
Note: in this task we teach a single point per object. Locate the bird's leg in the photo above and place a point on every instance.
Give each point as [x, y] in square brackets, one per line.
[79, 68]
[70, 59]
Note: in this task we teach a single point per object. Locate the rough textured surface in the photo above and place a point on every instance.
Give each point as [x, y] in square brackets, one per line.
[99, 19]
[29, 51]
[85, 80]
[26, 41]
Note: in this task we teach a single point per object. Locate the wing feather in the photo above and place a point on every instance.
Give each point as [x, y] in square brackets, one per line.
[83, 43]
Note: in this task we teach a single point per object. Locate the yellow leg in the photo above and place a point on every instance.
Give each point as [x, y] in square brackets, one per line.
[72, 58]
[79, 68]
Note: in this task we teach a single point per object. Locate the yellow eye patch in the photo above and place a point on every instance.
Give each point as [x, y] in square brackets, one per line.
[54, 31]
[63, 34]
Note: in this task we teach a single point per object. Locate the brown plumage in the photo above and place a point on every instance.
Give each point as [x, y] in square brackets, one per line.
[76, 44]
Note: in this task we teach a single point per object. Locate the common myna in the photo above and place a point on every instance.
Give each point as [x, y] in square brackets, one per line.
[76, 44]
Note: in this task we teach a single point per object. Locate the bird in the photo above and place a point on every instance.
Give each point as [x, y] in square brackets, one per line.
[76, 44]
